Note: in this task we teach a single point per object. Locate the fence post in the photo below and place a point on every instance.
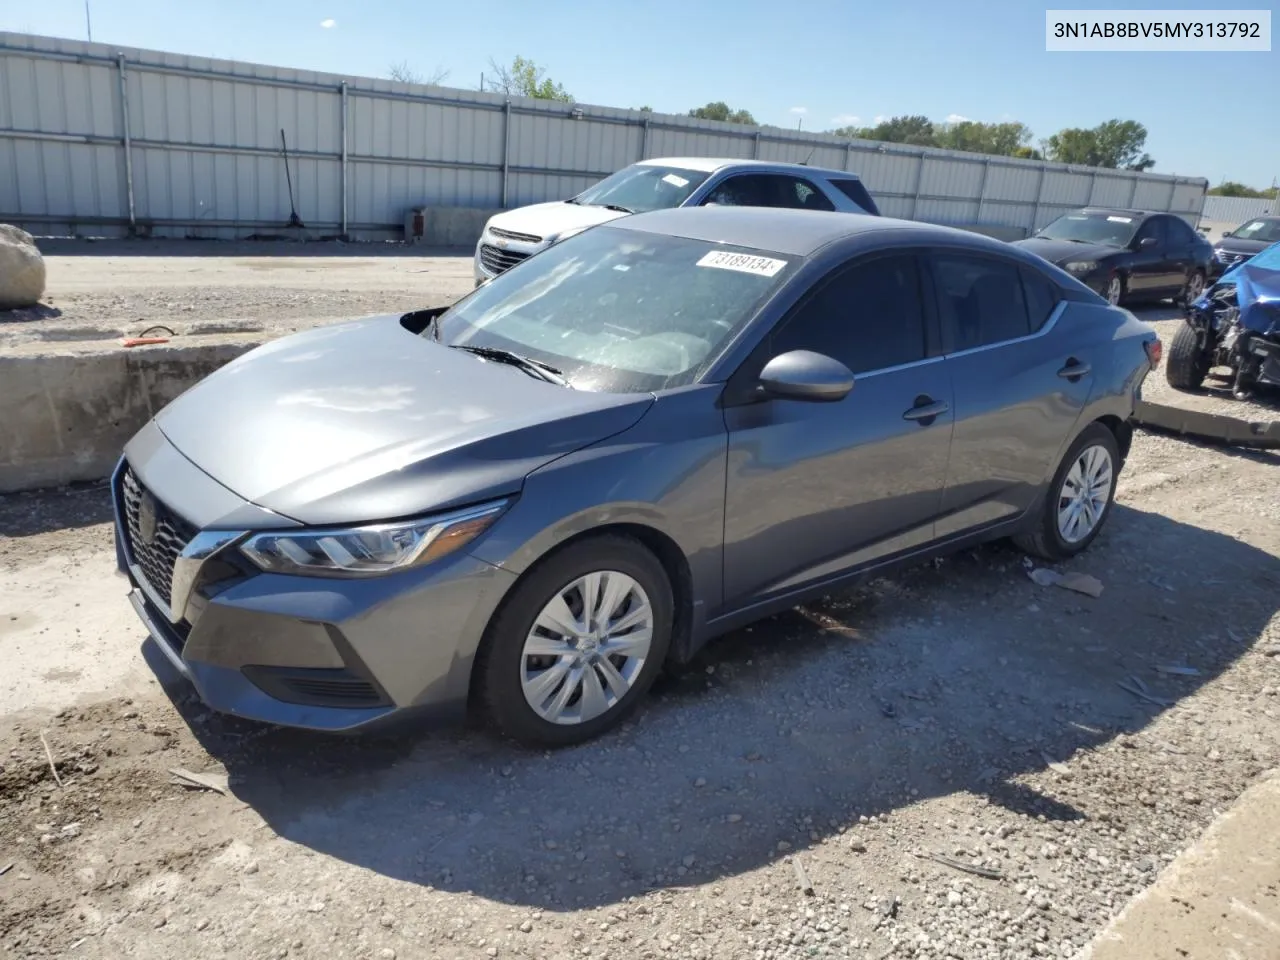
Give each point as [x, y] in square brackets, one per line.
[915, 195]
[755, 148]
[1173, 192]
[644, 139]
[343, 130]
[848, 154]
[1035, 210]
[982, 187]
[1093, 186]
[1133, 190]
[128, 141]
[506, 148]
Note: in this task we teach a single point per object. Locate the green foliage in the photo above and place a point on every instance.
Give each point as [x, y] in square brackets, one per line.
[1115, 143]
[1230, 188]
[719, 110]
[524, 78]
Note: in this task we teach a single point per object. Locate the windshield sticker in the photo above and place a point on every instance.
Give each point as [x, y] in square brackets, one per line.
[724, 260]
[675, 181]
[1120, 219]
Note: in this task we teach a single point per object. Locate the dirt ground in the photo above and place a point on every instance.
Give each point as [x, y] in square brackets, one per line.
[957, 762]
[111, 288]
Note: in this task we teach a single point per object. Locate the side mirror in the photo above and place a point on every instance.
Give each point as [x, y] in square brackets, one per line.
[805, 375]
[1146, 242]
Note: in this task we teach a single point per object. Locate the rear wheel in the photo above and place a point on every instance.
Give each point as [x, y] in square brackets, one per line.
[581, 640]
[1079, 498]
[1187, 364]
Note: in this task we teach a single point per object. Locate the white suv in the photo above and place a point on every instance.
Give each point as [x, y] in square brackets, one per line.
[513, 235]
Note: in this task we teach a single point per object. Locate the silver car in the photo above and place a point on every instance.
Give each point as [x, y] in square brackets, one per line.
[650, 434]
[665, 183]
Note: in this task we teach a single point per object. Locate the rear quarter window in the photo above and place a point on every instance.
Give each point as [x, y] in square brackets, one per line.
[1042, 298]
[855, 191]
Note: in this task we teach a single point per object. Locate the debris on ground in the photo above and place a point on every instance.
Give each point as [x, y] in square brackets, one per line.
[1079, 582]
[217, 782]
[988, 873]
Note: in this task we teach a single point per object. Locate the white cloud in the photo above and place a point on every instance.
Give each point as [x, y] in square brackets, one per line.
[329, 24]
[846, 119]
[801, 111]
[956, 118]
[878, 118]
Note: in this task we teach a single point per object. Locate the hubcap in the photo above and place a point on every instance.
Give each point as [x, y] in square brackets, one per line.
[1085, 494]
[1113, 291]
[1195, 287]
[586, 648]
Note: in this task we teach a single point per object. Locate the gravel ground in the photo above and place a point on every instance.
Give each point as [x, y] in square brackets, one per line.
[106, 289]
[956, 711]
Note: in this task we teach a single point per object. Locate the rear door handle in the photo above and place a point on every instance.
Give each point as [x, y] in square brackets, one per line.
[926, 411]
[1074, 370]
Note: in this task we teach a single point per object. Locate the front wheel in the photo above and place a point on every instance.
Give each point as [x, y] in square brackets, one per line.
[1115, 289]
[578, 643]
[1194, 287]
[1079, 497]
[1188, 363]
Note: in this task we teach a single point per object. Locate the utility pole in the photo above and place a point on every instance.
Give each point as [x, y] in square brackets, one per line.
[88, 24]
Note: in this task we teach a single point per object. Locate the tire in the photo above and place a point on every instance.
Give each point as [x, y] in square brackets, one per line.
[505, 669]
[1116, 289]
[1193, 288]
[1186, 366]
[1046, 540]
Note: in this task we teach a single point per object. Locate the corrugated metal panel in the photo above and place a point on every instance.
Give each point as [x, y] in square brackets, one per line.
[206, 150]
[1237, 210]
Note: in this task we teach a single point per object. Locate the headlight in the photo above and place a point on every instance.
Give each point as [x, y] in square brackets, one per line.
[1081, 266]
[372, 550]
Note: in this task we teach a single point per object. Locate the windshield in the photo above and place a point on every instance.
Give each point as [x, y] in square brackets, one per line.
[616, 310]
[642, 187]
[1268, 231]
[1111, 229]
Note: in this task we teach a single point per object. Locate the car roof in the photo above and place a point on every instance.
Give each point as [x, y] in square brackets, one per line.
[788, 231]
[712, 164]
[1120, 212]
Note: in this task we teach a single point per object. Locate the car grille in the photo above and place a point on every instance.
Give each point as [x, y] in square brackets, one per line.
[1230, 258]
[496, 260]
[512, 235]
[154, 558]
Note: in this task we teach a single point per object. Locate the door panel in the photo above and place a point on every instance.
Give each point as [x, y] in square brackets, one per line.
[1017, 399]
[1149, 270]
[814, 488]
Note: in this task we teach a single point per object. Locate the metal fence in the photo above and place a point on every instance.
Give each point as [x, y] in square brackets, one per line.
[103, 140]
[1236, 210]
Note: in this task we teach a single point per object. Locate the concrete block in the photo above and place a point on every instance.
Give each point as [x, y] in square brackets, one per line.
[68, 411]
[445, 226]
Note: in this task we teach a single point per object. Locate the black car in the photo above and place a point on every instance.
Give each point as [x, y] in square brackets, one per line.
[1127, 255]
[1252, 236]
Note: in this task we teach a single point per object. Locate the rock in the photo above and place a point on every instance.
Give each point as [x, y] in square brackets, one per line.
[526, 927]
[22, 271]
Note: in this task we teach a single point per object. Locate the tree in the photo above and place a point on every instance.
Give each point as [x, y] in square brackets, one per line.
[916, 130]
[1230, 188]
[1000, 139]
[405, 74]
[644, 109]
[1115, 143]
[524, 78]
[719, 110]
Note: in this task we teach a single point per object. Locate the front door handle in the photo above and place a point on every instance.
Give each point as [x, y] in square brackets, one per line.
[926, 411]
[1074, 370]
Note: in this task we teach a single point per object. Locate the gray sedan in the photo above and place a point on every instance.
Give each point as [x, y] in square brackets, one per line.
[649, 434]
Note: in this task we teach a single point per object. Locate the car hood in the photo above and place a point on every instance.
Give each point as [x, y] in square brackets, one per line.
[552, 219]
[365, 421]
[1065, 251]
[1235, 245]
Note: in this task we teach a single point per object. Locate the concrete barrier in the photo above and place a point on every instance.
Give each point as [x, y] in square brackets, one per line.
[446, 226]
[66, 412]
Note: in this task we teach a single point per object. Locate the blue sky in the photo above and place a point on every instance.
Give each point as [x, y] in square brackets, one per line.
[818, 62]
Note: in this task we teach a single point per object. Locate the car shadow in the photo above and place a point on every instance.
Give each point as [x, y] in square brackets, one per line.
[47, 510]
[960, 676]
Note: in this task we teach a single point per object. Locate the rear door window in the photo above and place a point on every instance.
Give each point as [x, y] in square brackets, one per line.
[855, 191]
[981, 301]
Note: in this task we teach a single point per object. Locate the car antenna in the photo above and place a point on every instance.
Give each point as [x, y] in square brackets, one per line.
[805, 161]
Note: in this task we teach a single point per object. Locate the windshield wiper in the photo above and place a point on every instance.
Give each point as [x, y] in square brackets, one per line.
[612, 206]
[573, 200]
[536, 368]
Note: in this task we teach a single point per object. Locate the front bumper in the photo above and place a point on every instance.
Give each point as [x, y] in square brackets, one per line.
[321, 654]
[497, 254]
